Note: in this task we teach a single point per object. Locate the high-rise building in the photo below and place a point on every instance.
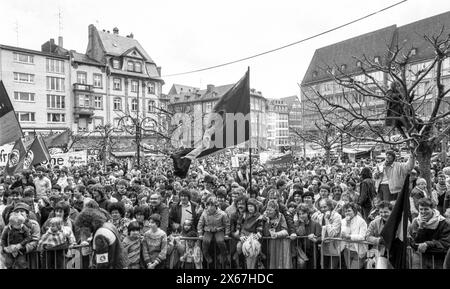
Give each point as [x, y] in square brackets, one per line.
[277, 125]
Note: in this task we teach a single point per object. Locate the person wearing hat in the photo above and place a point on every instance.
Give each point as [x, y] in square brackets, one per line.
[35, 233]
[391, 176]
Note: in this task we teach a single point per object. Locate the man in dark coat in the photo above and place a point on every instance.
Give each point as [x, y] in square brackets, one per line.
[185, 209]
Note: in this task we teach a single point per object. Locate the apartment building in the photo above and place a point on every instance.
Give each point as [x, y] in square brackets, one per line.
[374, 46]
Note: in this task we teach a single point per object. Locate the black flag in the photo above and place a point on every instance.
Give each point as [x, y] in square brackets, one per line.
[231, 129]
[10, 129]
[394, 233]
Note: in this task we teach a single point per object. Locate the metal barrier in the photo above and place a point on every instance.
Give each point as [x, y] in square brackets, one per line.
[73, 257]
[345, 259]
[302, 254]
[343, 256]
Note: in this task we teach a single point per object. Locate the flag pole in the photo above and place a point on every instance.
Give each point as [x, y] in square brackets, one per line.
[250, 134]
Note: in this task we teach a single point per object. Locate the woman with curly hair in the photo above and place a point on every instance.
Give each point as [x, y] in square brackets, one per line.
[108, 250]
[117, 211]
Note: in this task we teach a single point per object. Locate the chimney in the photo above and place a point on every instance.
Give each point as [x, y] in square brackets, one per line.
[131, 35]
[60, 41]
[159, 70]
[209, 87]
[116, 30]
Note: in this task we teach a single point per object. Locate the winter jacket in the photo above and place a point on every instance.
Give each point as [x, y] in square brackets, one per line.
[175, 214]
[109, 253]
[436, 233]
[357, 229]
[331, 228]
[248, 224]
[216, 222]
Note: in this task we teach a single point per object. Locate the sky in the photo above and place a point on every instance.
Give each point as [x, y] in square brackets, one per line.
[183, 35]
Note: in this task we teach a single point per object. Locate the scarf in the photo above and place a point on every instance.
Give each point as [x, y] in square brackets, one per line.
[433, 222]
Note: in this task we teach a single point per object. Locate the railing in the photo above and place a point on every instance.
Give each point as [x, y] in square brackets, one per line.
[74, 257]
[283, 253]
[347, 257]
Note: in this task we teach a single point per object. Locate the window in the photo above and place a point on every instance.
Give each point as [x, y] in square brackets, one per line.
[314, 74]
[138, 67]
[151, 106]
[343, 67]
[25, 116]
[134, 104]
[98, 122]
[116, 123]
[358, 64]
[24, 58]
[117, 103]
[81, 77]
[413, 52]
[84, 100]
[55, 83]
[23, 77]
[56, 101]
[117, 83]
[130, 66]
[98, 80]
[376, 59]
[98, 101]
[23, 96]
[151, 88]
[134, 86]
[116, 64]
[56, 117]
[55, 66]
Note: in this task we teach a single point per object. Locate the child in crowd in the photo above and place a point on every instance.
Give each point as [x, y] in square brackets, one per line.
[192, 257]
[132, 245]
[54, 243]
[15, 233]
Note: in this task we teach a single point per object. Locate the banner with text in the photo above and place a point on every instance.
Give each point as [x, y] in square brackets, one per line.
[70, 159]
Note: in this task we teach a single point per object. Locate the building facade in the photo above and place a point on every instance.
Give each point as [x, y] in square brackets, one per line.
[55, 89]
[277, 125]
[198, 103]
[295, 121]
[38, 84]
[374, 46]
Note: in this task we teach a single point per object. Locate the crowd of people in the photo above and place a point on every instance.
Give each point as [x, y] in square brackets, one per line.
[308, 215]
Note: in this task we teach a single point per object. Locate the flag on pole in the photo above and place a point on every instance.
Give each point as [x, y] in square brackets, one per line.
[229, 125]
[36, 154]
[57, 140]
[395, 230]
[10, 129]
[16, 157]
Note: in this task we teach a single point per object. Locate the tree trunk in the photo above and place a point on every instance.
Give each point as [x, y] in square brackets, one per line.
[424, 153]
[327, 155]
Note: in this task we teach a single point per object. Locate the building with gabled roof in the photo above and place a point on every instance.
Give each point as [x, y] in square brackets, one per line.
[375, 46]
[198, 103]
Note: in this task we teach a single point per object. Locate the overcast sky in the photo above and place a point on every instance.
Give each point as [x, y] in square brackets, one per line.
[183, 35]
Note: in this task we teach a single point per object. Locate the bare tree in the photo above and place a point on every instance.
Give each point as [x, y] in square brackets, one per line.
[325, 136]
[408, 98]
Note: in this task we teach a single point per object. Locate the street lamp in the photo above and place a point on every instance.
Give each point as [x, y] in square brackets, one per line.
[136, 125]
